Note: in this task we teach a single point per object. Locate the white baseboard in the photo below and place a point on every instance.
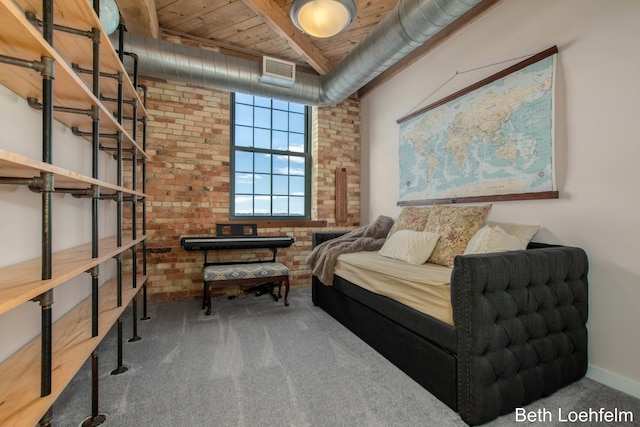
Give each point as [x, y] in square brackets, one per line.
[614, 380]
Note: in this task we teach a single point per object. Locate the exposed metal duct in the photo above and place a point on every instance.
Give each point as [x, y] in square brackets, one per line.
[405, 28]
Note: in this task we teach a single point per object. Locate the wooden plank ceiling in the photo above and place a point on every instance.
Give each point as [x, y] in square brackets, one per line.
[253, 28]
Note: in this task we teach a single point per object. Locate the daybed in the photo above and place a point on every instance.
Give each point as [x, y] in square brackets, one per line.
[518, 331]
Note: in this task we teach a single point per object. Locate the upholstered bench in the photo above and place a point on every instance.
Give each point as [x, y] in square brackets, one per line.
[250, 274]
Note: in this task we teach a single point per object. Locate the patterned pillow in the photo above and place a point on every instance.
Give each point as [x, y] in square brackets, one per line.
[456, 225]
[411, 218]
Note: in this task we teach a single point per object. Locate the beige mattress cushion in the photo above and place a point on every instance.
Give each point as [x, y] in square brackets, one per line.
[424, 287]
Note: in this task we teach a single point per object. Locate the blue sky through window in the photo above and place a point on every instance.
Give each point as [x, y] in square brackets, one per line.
[269, 157]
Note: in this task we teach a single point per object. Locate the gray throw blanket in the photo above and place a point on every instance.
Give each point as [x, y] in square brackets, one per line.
[367, 238]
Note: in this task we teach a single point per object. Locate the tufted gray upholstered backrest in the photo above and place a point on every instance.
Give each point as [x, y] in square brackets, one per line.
[521, 327]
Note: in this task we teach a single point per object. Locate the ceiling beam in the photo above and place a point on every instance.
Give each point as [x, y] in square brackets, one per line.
[281, 24]
[140, 17]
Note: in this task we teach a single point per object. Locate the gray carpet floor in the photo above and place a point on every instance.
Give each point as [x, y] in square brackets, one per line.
[254, 362]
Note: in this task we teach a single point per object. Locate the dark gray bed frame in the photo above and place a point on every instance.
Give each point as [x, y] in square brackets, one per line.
[520, 329]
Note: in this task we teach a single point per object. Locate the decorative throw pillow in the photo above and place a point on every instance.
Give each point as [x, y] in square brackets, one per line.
[492, 239]
[410, 218]
[455, 225]
[410, 246]
[523, 232]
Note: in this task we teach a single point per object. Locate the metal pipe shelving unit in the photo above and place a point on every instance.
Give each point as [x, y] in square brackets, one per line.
[71, 94]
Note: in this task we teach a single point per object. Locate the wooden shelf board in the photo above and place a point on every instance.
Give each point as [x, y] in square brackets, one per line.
[72, 344]
[14, 165]
[78, 49]
[19, 39]
[22, 282]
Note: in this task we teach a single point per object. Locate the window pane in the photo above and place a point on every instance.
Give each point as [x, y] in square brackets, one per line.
[296, 206]
[244, 161]
[243, 136]
[296, 185]
[296, 122]
[281, 165]
[244, 205]
[262, 102]
[280, 205]
[280, 120]
[281, 185]
[263, 163]
[297, 166]
[262, 117]
[261, 184]
[244, 115]
[244, 99]
[244, 183]
[262, 138]
[296, 108]
[296, 142]
[262, 205]
[280, 105]
[279, 140]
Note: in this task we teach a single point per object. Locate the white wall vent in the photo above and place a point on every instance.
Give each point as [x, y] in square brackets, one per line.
[278, 72]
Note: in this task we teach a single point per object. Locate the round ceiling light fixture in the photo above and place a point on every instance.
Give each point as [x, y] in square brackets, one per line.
[322, 18]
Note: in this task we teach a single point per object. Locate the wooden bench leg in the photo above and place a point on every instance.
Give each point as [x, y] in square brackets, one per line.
[208, 295]
[204, 294]
[286, 290]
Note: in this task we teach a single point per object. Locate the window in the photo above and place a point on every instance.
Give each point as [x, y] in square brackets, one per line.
[270, 159]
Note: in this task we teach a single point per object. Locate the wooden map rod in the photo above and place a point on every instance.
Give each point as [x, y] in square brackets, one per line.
[481, 199]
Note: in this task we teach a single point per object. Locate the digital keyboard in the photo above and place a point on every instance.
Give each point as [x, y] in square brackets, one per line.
[210, 243]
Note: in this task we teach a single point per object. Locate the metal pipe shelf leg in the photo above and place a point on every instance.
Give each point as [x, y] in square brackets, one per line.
[47, 189]
[134, 302]
[121, 368]
[96, 418]
[46, 301]
[134, 308]
[145, 316]
[95, 303]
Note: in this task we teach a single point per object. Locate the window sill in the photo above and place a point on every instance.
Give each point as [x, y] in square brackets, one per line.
[284, 223]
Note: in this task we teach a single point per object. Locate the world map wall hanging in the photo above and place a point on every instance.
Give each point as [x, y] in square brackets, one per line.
[491, 141]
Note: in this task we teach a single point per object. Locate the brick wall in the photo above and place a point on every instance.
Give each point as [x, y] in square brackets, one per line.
[188, 183]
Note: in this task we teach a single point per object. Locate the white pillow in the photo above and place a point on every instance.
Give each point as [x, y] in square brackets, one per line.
[523, 232]
[411, 246]
[492, 239]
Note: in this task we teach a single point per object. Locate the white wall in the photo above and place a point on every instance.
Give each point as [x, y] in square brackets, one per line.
[597, 152]
[20, 215]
